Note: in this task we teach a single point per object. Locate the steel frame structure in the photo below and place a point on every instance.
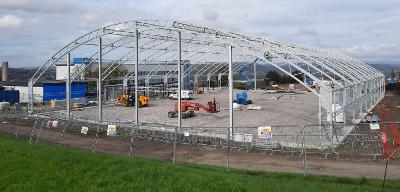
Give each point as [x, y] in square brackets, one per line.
[344, 81]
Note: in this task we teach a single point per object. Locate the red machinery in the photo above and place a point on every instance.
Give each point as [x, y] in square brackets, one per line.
[189, 107]
[387, 120]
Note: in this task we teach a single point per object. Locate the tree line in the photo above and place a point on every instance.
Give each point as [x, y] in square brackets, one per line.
[273, 77]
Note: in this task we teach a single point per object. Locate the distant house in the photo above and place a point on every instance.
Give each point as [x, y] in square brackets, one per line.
[76, 66]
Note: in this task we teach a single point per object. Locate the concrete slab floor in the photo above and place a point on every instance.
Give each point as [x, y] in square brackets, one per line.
[290, 109]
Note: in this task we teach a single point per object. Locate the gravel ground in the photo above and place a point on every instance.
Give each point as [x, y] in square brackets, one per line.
[290, 109]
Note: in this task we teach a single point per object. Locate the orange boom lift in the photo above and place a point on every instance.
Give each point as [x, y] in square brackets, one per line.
[189, 107]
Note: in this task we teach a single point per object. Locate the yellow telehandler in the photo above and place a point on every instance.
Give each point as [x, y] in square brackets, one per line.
[128, 100]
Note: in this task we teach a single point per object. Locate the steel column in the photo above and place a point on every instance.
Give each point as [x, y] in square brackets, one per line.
[209, 81]
[30, 95]
[230, 87]
[344, 103]
[230, 92]
[99, 84]
[196, 81]
[179, 91]
[125, 83]
[136, 76]
[68, 86]
[255, 75]
[220, 81]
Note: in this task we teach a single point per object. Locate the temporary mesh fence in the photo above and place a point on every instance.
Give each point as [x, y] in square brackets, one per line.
[351, 141]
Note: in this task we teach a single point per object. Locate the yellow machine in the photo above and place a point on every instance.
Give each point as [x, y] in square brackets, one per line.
[200, 90]
[129, 101]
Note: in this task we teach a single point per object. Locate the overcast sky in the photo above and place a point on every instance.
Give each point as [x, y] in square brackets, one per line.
[32, 30]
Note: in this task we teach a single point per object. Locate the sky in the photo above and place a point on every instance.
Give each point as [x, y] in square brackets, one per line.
[31, 31]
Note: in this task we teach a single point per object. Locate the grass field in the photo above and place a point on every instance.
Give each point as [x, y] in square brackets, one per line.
[41, 167]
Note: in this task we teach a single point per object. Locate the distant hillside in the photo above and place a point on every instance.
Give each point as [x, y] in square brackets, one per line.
[24, 74]
[386, 68]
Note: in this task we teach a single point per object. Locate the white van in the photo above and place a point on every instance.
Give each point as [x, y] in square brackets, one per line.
[185, 95]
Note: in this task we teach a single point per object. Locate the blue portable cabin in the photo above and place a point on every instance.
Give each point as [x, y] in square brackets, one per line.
[55, 90]
[20, 87]
[11, 96]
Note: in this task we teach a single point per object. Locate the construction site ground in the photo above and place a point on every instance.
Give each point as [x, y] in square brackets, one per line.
[217, 155]
[298, 109]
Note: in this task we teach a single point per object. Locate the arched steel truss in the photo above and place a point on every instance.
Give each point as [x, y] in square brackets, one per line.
[350, 83]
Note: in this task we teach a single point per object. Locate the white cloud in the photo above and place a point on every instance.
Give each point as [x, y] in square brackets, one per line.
[10, 22]
[384, 52]
[52, 6]
[210, 15]
[362, 28]
[90, 17]
[307, 31]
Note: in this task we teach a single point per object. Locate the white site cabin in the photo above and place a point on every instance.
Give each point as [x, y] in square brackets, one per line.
[185, 94]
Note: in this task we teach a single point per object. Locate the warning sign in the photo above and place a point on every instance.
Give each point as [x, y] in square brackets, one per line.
[265, 132]
[111, 130]
[52, 124]
[55, 123]
[49, 124]
[374, 126]
[84, 130]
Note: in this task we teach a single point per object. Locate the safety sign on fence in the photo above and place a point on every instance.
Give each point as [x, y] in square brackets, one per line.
[374, 126]
[52, 124]
[265, 132]
[111, 130]
[84, 130]
[186, 134]
[374, 123]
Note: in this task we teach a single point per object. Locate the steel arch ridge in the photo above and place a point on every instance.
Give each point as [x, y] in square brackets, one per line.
[228, 38]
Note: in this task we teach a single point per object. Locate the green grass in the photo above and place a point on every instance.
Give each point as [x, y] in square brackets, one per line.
[41, 167]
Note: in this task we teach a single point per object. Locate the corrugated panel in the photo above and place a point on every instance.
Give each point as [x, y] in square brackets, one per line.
[11, 96]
